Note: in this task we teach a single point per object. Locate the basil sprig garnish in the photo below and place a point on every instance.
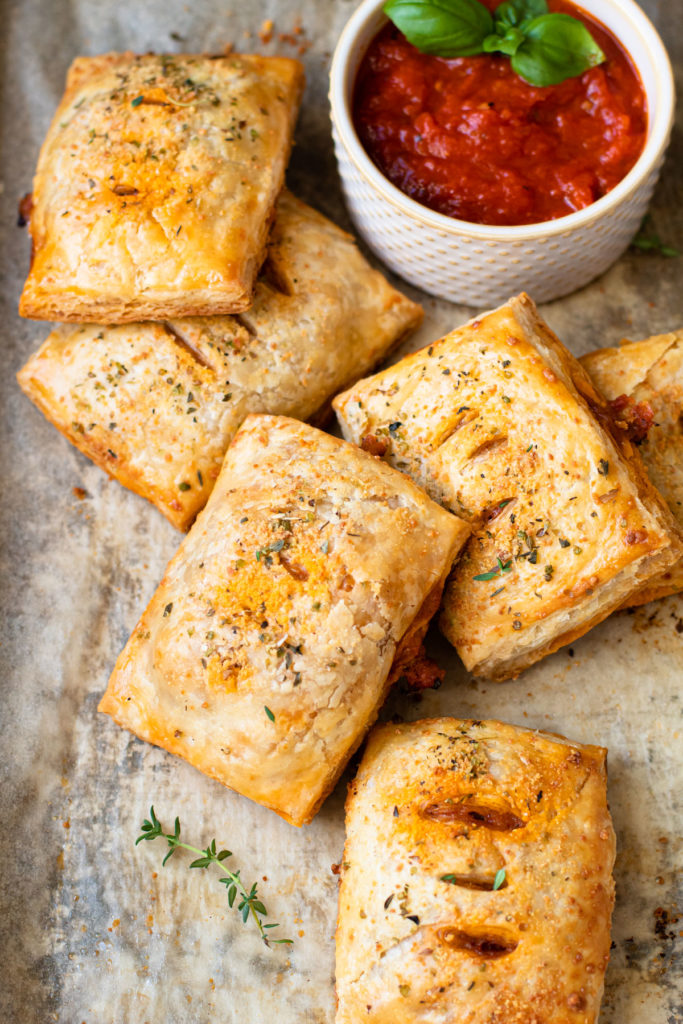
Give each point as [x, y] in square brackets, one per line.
[544, 49]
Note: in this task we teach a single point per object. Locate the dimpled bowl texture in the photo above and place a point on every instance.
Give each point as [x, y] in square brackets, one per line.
[482, 265]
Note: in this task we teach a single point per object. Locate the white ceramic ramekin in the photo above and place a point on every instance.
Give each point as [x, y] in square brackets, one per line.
[479, 264]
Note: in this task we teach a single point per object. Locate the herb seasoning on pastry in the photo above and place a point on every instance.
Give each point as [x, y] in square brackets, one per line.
[281, 622]
[500, 423]
[156, 405]
[156, 185]
[476, 882]
[643, 381]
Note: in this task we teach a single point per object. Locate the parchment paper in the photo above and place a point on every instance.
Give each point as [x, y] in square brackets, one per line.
[93, 930]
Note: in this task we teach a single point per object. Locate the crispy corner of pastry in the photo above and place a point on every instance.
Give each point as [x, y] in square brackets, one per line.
[643, 383]
[136, 430]
[501, 424]
[268, 649]
[476, 881]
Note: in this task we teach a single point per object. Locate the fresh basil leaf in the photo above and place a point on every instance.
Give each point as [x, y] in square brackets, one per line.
[508, 44]
[513, 13]
[492, 44]
[447, 28]
[556, 47]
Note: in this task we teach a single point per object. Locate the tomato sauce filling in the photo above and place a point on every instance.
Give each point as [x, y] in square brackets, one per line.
[469, 138]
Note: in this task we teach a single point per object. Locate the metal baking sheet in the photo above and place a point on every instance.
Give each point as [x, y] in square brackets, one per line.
[93, 929]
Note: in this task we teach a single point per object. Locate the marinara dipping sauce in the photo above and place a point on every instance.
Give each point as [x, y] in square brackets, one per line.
[469, 138]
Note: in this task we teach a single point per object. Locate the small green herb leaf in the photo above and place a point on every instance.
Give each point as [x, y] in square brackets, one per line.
[269, 713]
[447, 28]
[499, 880]
[498, 571]
[201, 862]
[484, 577]
[136, 102]
[647, 240]
[556, 47]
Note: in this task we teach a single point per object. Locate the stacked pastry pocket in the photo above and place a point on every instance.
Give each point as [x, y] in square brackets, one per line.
[156, 404]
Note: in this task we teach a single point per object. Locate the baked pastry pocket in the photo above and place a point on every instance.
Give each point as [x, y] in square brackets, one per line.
[156, 185]
[500, 423]
[271, 642]
[476, 879]
[156, 405]
[643, 381]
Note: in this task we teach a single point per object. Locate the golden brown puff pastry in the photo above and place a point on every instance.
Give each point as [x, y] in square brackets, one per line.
[651, 371]
[156, 184]
[269, 646]
[502, 425]
[156, 405]
[438, 811]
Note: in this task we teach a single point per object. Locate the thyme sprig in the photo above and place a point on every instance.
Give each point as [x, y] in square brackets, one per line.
[249, 904]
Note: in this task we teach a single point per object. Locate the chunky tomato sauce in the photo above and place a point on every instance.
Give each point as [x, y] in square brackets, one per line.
[469, 138]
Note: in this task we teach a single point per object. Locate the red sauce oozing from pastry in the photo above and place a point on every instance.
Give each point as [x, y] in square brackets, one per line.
[469, 138]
